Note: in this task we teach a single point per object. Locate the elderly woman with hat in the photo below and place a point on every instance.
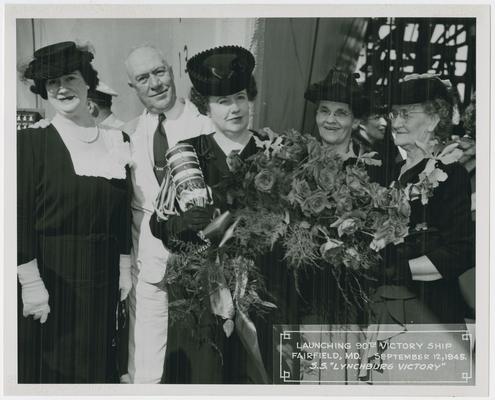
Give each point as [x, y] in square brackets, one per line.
[339, 102]
[419, 282]
[73, 220]
[339, 106]
[223, 87]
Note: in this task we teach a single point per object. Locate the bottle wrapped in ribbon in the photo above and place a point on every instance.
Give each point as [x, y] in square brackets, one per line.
[186, 174]
[183, 185]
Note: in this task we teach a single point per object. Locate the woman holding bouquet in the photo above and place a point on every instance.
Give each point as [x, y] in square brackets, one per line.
[333, 296]
[419, 276]
[223, 87]
[73, 223]
[340, 102]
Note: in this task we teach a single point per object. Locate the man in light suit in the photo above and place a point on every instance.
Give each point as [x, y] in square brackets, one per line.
[165, 121]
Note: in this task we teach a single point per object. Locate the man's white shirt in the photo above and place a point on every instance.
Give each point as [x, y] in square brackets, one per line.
[149, 254]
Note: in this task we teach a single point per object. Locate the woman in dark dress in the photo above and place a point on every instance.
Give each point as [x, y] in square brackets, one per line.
[223, 87]
[339, 101]
[419, 277]
[375, 134]
[340, 106]
[73, 220]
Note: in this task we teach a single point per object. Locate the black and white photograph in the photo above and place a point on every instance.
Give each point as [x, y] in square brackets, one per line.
[260, 199]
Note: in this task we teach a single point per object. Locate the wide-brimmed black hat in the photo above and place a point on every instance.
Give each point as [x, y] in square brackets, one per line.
[221, 71]
[56, 60]
[340, 86]
[420, 88]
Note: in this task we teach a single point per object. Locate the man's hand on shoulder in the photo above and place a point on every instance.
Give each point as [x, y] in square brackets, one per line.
[42, 123]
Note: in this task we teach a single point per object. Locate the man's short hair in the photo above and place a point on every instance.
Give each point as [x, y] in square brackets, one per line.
[144, 46]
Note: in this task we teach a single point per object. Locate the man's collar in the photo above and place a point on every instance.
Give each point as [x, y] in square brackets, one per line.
[155, 115]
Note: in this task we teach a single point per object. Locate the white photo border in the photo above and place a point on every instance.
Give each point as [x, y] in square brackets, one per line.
[482, 15]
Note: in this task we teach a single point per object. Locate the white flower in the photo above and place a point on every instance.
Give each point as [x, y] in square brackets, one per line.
[119, 154]
[378, 244]
[450, 154]
[436, 176]
[330, 245]
[273, 144]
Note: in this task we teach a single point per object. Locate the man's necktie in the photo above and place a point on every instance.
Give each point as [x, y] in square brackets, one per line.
[160, 147]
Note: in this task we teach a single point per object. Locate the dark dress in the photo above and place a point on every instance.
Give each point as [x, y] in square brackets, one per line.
[401, 305]
[448, 243]
[190, 362]
[388, 153]
[76, 227]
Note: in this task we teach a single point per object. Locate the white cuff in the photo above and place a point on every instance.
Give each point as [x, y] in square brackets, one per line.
[28, 272]
[422, 269]
[125, 261]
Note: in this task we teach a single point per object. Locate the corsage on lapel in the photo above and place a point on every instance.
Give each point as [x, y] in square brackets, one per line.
[120, 154]
[432, 175]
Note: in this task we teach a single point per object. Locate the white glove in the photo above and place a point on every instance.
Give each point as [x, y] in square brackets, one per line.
[125, 280]
[34, 293]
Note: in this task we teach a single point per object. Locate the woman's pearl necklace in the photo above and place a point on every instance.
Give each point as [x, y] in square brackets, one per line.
[90, 140]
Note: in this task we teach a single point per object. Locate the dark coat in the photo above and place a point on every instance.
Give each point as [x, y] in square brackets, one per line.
[279, 285]
[448, 243]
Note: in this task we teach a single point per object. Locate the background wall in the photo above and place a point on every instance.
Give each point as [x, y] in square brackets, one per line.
[294, 52]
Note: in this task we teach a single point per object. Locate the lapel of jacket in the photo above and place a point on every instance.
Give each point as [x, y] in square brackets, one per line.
[411, 175]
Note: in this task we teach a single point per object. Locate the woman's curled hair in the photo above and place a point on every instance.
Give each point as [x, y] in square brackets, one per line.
[201, 101]
[443, 109]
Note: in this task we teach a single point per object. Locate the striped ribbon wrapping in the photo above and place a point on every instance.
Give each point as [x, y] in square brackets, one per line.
[183, 185]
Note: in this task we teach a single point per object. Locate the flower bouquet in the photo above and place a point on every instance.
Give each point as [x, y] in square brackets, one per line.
[320, 206]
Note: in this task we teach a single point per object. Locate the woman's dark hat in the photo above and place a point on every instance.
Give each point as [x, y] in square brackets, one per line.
[340, 86]
[56, 60]
[221, 71]
[374, 103]
[417, 88]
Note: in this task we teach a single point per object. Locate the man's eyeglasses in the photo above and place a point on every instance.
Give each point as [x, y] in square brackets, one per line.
[404, 114]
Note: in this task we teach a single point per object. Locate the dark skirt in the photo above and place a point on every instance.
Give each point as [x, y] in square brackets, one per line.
[77, 342]
[204, 355]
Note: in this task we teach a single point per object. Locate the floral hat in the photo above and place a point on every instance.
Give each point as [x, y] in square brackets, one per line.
[340, 86]
[221, 71]
[418, 88]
